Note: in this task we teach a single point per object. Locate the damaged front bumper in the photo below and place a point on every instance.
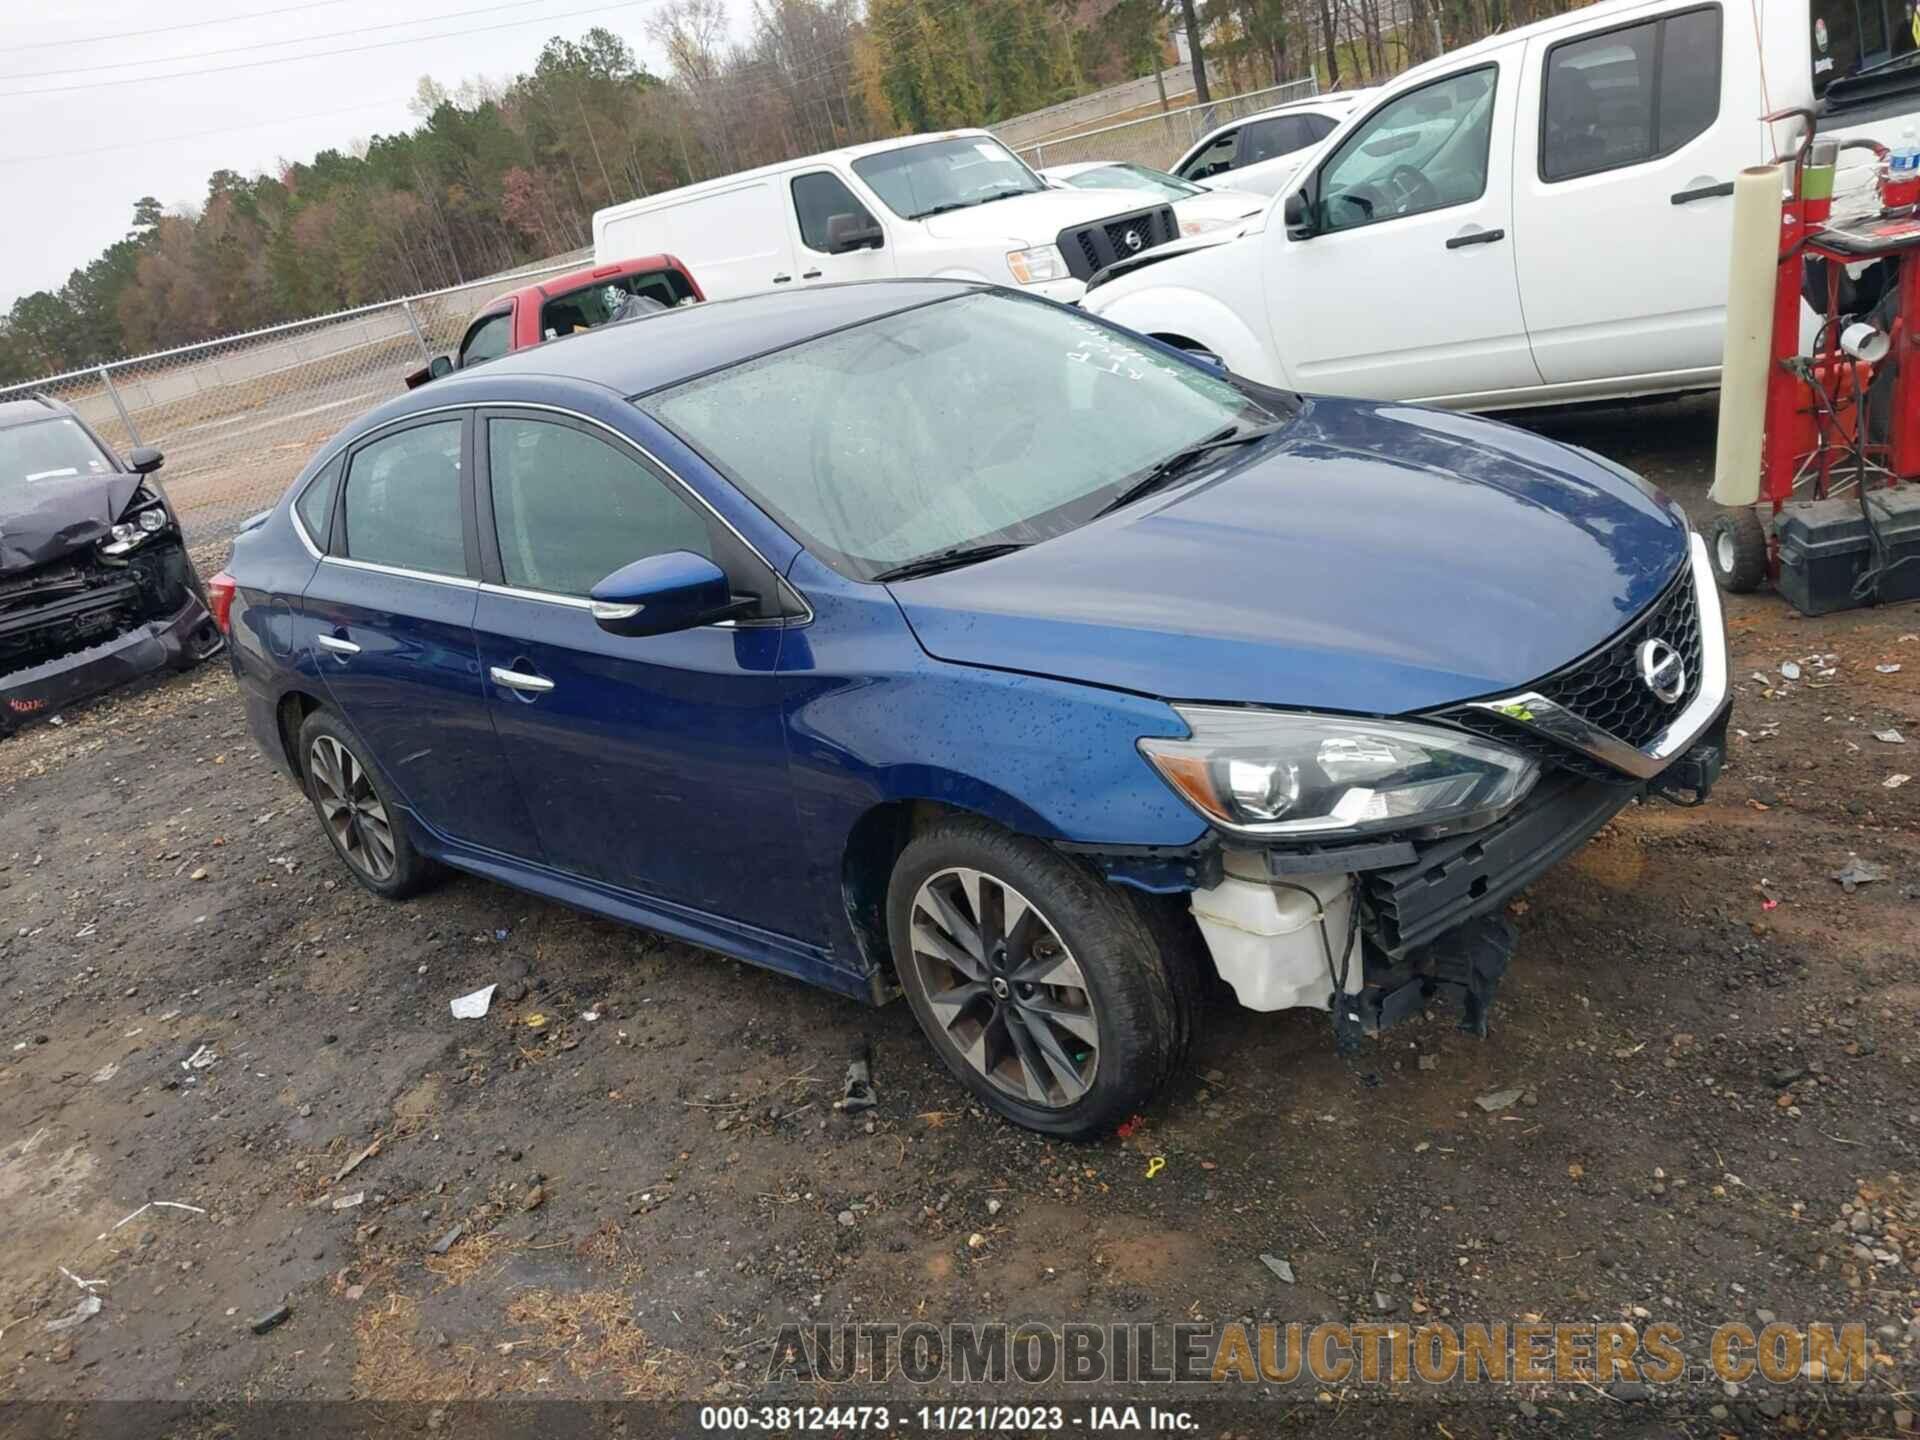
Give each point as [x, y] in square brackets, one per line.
[102, 628]
[1380, 930]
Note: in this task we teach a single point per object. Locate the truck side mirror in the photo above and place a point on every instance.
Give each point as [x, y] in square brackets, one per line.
[853, 232]
[1298, 216]
[440, 365]
[145, 460]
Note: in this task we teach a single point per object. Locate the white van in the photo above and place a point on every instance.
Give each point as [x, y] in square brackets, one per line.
[957, 205]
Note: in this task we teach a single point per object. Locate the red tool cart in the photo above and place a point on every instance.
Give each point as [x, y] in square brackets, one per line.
[1837, 523]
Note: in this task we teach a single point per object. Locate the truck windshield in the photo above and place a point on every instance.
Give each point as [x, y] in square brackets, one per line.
[43, 454]
[983, 420]
[922, 180]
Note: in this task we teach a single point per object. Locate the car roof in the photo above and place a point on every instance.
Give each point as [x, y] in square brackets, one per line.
[1334, 101]
[633, 357]
[34, 407]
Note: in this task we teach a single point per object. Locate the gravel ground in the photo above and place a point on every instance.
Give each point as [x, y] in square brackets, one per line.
[1713, 1041]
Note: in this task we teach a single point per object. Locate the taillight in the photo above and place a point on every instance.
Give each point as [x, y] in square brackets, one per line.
[220, 591]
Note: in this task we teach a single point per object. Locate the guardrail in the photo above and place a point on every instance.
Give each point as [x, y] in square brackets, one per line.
[238, 417]
[1160, 140]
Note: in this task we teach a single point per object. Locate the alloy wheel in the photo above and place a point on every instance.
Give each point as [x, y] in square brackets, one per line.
[1004, 987]
[351, 809]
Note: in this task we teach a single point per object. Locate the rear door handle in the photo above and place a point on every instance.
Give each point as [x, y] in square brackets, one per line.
[809, 274]
[520, 680]
[1703, 192]
[1478, 237]
[339, 645]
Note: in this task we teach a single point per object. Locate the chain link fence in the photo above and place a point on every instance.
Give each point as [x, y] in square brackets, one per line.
[1160, 140]
[238, 417]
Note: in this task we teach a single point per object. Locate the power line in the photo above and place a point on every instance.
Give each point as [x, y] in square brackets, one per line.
[273, 44]
[345, 50]
[199, 134]
[183, 25]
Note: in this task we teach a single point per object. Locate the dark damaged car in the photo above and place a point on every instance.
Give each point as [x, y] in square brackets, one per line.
[95, 584]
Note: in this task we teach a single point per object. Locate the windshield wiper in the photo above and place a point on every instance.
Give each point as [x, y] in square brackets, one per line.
[951, 559]
[977, 200]
[1164, 472]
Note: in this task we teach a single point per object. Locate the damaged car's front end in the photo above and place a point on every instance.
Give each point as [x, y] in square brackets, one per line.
[96, 587]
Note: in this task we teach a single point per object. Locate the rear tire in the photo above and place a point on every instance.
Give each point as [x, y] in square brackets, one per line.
[1067, 1020]
[367, 832]
[1737, 546]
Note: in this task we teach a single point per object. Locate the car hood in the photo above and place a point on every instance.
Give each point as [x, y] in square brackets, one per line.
[1374, 559]
[1222, 205]
[55, 517]
[1025, 220]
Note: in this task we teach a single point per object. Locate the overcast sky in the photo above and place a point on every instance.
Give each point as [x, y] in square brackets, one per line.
[148, 136]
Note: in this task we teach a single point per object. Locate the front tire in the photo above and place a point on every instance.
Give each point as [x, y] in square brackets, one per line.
[366, 832]
[1737, 545]
[1042, 988]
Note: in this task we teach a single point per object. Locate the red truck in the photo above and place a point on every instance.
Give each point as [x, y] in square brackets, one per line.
[564, 304]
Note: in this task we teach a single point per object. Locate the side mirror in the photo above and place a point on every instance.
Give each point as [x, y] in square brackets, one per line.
[438, 366]
[1298, 216]
[145, 460]
[853, 232]
[662, 594]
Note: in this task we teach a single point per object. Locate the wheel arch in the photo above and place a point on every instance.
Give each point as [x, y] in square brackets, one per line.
[290, 712]
[1190, 319]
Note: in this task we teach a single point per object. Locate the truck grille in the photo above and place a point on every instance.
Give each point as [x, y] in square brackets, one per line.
[1090, 248]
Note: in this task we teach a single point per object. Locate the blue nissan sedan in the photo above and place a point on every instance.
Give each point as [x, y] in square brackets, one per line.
[922, 638]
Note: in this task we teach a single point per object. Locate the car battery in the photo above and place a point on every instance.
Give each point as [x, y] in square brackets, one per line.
[1825, 550]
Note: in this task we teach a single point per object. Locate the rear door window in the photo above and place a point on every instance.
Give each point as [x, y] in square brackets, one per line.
[402, 501]
[488, 338]
[1630, 95]
[1272, 138]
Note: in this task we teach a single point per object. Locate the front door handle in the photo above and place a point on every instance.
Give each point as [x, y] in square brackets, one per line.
[782, 279]
[1478, 237]
[520, 680]
[338, 644]
[1703, 192]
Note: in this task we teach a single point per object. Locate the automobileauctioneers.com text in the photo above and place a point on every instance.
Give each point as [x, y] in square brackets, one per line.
[1368, 1353]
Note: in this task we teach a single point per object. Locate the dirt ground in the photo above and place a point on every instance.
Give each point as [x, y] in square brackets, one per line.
[1714, 1041]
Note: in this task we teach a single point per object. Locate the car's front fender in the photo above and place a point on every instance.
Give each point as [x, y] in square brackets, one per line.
[1190, 318]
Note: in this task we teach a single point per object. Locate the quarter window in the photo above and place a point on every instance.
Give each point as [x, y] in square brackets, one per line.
[487, 340]
[315, 504]
[570, 509]
[1630, 95]
[402, 503]
[817, 198]
[1424, 150]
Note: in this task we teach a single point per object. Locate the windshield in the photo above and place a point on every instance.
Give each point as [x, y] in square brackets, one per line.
[984, 419]
[946, 175]
[45, 453]
[1133, 177]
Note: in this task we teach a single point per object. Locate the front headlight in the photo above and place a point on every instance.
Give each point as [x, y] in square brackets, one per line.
[1268, 772]
[1041, 263]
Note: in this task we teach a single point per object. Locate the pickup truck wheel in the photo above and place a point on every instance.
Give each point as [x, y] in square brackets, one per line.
[363, 828]
[1737, 546]
[1042, 988]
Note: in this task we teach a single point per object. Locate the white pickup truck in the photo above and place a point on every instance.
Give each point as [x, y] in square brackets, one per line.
[1537, 219]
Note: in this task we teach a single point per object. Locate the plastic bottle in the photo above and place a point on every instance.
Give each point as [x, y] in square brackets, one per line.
[1903, 168]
